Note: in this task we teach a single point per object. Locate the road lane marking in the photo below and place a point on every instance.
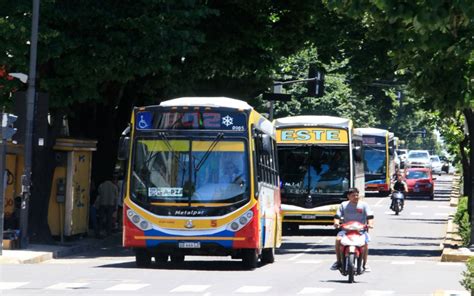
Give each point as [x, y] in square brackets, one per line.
[11, 285]
[378, 292]
[67, 286]
[451, 264]
[126, 287]
[309, 261]
[190, 288]
[377, 204]
[307, 250]
[421, 206]
[388, 212]
[442, 214]
[314, 290]
[252, 289]
[403, 262]
[416, 214]
[445, 207]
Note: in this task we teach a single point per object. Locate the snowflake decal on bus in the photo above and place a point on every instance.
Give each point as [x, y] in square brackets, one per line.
[227, 120]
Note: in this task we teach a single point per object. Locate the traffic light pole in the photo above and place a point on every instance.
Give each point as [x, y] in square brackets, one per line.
[277, 94]
[30, 107]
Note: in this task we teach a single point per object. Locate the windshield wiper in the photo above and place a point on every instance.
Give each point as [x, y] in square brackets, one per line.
[189, 186]
[208, 152]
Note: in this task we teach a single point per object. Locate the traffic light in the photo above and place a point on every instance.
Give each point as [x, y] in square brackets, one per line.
[7, 126]
[316, 82]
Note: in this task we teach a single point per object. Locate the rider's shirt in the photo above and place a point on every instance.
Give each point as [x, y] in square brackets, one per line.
[351, 212]
[399, 186]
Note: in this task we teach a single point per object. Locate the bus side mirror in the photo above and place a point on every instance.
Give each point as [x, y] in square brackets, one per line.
[357, 151]
[391, 151]
[124, 148]
[267, 144]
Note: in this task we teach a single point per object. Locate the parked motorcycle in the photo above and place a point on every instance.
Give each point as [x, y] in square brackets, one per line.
[398, 201]
[352, 249]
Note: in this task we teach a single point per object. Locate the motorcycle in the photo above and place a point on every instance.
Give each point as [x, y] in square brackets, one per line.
[352, 249]
[398, 200]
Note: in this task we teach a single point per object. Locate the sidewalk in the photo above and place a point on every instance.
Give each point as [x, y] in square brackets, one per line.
[452, 250]
[37, 253]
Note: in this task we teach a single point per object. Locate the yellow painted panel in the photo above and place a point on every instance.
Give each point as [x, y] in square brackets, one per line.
[183, 145]
[10, 191]
[312, 135]
[56, 210]
[80, 192]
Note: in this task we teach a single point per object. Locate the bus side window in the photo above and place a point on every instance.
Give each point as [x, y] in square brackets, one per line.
[266, 158]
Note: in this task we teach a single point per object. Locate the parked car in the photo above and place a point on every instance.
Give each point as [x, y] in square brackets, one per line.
[418, 159]
[436, 164]
[420, 182]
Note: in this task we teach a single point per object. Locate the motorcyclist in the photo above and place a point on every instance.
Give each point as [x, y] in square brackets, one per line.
[353, 210]
[401, 186]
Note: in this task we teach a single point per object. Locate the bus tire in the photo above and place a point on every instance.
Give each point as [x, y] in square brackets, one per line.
[142, 258]
[268, 255]
[161, 258]
[177, 258]
[249, 258]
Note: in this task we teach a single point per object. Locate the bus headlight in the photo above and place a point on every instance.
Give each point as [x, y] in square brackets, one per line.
[138, 221]
[240, 222]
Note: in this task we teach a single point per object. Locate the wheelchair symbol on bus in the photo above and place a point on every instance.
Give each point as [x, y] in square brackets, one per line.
[144, 120]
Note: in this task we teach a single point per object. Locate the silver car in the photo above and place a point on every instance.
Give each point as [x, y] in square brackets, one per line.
[418, 159]
[436, 164]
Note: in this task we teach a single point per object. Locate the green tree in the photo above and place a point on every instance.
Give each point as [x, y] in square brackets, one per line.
[431, 44]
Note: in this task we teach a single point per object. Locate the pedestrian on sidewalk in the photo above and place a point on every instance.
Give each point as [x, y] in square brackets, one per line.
[106, 202]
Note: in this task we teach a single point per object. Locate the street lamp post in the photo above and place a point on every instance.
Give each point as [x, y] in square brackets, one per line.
[30, 107]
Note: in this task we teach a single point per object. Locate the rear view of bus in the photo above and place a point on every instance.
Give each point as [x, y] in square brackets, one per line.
[379, 162]
[201, 182]
[319, 159]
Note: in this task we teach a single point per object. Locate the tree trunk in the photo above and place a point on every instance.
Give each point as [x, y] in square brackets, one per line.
[469, 116]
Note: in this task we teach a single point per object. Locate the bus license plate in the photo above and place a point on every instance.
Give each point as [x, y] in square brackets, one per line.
[308, 217]
[189, 245]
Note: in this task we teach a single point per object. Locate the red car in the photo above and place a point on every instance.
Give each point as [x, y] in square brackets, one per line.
[420, 181]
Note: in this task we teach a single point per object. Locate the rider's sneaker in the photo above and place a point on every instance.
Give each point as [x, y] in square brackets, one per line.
[336, 266]
[367, 268]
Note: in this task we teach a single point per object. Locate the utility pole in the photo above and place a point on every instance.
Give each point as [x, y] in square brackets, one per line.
[30, 107]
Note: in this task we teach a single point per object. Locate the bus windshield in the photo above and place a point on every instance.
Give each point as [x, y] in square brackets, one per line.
[314, 169]
[374, 161]
[185, 171]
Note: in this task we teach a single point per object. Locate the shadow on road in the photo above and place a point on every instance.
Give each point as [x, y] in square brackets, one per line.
[198, 265]
[404, 252]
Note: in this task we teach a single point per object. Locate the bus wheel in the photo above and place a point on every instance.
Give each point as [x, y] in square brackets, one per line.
[177, 258]
[142, 258]
[268, 255]
[249, 258]
[161, 258]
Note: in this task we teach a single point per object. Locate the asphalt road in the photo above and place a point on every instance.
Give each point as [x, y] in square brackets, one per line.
[404, 256]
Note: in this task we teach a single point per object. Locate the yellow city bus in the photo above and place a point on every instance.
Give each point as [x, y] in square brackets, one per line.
[202, 179]
[379, 159]
[320, 157]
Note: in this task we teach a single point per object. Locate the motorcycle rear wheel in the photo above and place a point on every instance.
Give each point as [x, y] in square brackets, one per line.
[396, 208]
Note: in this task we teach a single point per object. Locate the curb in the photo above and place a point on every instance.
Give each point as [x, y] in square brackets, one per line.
[38, 253]
[452, 250]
